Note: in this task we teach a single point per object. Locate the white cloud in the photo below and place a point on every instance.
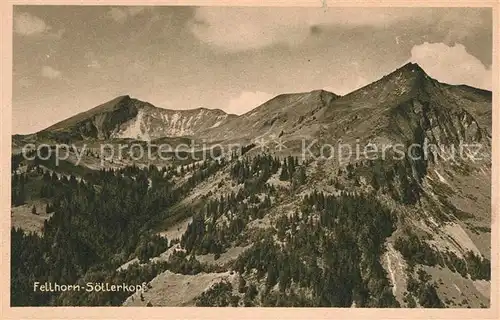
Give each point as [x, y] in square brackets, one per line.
[51, 73]
[27, 24]
[121, 14]
[247, 101]
[453, 65]
[236, 29]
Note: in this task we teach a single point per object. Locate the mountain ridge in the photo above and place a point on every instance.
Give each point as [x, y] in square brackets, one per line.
[127, 117]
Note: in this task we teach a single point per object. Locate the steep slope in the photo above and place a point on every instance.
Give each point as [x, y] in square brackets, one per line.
[393, 107]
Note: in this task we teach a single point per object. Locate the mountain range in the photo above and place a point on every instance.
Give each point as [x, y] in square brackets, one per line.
[432, 212]
[315, 114]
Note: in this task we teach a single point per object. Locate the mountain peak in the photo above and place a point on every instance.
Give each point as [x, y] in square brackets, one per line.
[412, 66]
[115, 102]
[406, 80]
[409, 71]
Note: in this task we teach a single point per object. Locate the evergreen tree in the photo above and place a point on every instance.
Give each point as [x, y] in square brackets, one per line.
[241, 285]
[284, 172]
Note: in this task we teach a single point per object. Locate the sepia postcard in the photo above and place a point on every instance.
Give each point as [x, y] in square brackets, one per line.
[250, 160]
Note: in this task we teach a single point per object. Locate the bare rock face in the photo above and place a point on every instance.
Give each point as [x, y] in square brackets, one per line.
[152, 123]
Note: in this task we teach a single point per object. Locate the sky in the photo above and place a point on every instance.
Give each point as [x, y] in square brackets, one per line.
[67, 59]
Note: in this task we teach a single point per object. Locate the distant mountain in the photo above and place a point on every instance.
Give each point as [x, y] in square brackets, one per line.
[279, 116]
[372, 110]
[404, 104]
[401, 107]
[125, 117]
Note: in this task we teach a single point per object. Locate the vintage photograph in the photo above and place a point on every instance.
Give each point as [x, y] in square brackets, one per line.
[202, 156]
